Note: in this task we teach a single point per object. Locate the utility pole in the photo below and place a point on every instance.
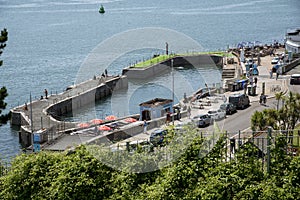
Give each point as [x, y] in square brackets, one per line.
[172, 66]
[31, 123]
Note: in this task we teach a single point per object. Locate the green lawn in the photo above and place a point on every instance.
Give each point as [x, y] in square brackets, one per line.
[162, 58]
[153, 61]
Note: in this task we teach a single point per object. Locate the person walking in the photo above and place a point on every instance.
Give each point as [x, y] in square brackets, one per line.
[145, 125]
[255, 81]
[277, 73]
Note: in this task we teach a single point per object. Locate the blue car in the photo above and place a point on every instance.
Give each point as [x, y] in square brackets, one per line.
[157, 136]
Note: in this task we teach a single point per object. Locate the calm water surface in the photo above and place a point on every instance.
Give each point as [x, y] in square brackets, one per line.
[49, 39]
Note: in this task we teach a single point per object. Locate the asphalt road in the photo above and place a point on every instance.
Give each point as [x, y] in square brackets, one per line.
[241, 120]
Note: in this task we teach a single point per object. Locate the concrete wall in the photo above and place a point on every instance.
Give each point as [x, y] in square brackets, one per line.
[19, 119]
[291, 65]
[151, 71]
[94, 94]
[125, 133]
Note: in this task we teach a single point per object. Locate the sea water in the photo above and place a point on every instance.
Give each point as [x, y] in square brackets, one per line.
[50, 39]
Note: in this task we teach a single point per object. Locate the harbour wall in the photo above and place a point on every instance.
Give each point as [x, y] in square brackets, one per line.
[153, 70]
[90, 96]
[291, 65]
[127, 132]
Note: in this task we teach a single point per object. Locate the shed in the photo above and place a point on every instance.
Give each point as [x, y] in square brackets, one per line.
[155, 108]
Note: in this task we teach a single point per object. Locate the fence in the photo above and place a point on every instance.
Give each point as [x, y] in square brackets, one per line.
[263, 142]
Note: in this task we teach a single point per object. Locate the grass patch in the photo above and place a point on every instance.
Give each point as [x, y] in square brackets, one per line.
[154, 61]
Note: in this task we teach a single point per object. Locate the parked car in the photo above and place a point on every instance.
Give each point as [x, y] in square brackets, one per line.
[217, 114]
[295, 79]
[229, 108]
[240, 101]
[202, 120]
[275, 60]
[202, 95]
[157, 136]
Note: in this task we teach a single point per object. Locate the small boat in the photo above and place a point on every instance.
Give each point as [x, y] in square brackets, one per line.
[101, 10]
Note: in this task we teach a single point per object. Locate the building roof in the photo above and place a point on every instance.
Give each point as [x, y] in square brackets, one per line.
[293, 43]
[293, 32]
[156, 102]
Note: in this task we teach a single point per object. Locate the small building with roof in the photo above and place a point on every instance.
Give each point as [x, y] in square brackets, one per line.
[292, 41]
[155, 108]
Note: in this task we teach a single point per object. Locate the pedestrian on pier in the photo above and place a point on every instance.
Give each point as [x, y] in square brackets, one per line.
[145, 125]
[46, 93]
[25, 106]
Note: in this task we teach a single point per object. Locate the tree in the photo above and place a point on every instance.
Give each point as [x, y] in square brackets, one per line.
[278, 97]
[3, 39]
[3, 91]
[77, 174]
[284, 118]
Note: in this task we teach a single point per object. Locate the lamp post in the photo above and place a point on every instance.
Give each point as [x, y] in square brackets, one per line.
[31, 123]
[172, 66]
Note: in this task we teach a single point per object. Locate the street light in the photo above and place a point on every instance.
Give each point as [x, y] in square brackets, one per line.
[172, 66]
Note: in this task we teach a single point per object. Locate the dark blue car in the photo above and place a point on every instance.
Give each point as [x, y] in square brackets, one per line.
[157, 136]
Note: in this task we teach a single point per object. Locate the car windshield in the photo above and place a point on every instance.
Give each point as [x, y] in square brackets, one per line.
[233, 99]
[212, 111]
[223, 106]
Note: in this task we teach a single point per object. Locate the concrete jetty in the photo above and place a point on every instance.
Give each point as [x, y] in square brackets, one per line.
[158, 68]
[46, 112]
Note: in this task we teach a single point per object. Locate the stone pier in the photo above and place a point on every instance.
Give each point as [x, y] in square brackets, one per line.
[46, 113]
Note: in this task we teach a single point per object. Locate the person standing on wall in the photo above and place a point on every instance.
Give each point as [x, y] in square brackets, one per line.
[46, 93]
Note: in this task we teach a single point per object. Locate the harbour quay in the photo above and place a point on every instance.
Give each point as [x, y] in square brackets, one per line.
[43, 116]
[155, 67]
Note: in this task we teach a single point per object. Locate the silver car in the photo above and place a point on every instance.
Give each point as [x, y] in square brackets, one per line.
[202, 120]
[217, 114]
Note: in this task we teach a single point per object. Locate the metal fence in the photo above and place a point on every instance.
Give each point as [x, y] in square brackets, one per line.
[263, 142]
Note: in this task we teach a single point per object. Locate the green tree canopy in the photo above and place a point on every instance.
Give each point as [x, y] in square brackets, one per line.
[3, 39]
[3, 90]
[283, 118]
[78, 175]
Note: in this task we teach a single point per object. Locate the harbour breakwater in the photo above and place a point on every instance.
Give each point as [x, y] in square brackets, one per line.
[155, 69]
[43, 115]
